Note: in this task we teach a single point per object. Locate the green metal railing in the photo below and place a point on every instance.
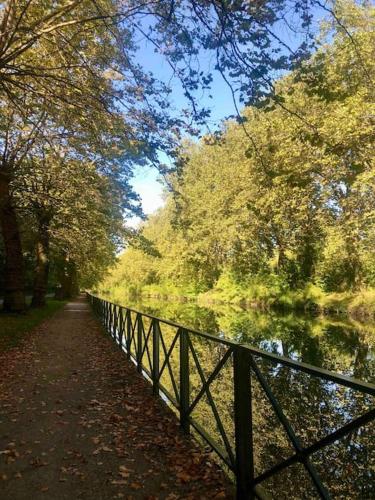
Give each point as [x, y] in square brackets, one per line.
[141, 337]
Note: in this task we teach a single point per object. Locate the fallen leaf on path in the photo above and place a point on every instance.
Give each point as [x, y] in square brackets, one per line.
[124, 474]
[184, 477]
[135, 486]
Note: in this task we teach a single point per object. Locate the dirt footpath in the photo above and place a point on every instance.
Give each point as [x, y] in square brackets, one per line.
[78, 422]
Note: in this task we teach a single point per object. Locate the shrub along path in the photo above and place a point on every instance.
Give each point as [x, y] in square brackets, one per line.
[77, 421]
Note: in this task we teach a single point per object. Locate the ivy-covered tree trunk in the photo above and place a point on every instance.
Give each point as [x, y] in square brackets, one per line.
[42, 266]
[14, 284]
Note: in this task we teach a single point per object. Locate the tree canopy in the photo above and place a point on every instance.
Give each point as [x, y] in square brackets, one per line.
[78, 110]
[285, 198]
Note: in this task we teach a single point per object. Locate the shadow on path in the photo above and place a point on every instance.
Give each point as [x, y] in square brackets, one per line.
[78, 422]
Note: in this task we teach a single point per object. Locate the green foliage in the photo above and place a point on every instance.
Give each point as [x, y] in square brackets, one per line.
[280, 209]
[77, 110]
[66, 144]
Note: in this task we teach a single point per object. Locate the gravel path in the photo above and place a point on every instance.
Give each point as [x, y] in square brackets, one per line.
[78, 422]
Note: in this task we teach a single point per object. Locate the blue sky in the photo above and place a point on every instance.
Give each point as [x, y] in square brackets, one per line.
[146, 182]
[148, 187]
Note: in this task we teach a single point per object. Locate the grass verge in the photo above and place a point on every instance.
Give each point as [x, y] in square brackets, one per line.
[13, 327]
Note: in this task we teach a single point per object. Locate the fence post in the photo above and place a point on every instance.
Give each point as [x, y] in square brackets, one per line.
[114, 326]
[243, 424]
[108, 318]
[128, 332]
[184, 381]
[121, 331]
[117, 324]
[111, 320]
[155, 356]
[139, 342]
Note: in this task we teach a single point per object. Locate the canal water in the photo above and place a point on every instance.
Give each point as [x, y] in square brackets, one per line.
[314, 408]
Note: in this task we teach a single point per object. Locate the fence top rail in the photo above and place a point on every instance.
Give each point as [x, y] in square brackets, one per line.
[353, 383]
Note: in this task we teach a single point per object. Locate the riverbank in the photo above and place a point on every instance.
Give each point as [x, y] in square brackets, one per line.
[335, 342]
[311, 299]
[357, 305]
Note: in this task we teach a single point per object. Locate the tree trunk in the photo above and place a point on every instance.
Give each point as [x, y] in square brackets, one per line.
[14, 274]
[280, 258]
[42, 266]
[68, 281]
[354, 265]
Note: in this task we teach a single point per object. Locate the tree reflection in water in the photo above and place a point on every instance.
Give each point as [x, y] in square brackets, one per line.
[313, 407]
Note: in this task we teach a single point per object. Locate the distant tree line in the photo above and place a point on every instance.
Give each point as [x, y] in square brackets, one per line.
[287, 197]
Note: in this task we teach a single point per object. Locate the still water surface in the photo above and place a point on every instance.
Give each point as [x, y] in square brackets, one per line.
[314, 408]
[341, 345]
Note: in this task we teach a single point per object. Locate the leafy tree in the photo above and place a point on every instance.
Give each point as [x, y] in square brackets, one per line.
[287, 195]
[70, 66]
[75, 212]
[65, 116]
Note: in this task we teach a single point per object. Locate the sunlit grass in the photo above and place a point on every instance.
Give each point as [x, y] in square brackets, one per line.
[363, 302]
